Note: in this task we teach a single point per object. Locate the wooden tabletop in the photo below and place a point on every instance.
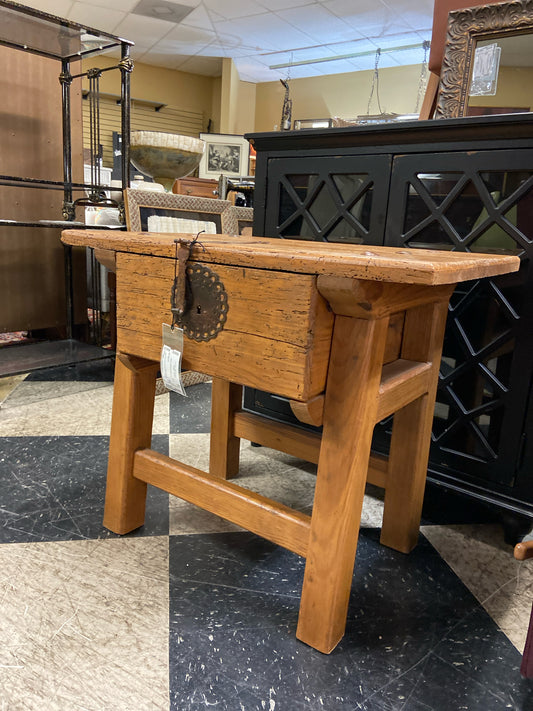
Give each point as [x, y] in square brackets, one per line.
[392, 264]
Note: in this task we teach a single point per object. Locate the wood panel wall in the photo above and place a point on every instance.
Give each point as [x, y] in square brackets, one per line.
[32, 289]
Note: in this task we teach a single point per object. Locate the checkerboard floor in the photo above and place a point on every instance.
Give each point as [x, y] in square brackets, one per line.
[190, 612]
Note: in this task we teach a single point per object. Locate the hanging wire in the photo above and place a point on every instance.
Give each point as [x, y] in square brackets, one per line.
[96, 324]
[96, 270]
[423, 71]
[94, 127]
[375, 84]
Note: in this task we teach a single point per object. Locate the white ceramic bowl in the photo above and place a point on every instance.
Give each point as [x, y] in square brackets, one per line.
[165, 156]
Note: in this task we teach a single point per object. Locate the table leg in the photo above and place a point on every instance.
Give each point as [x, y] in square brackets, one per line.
[411, 432]
[131, 429]
[349, 414]
[226, 399]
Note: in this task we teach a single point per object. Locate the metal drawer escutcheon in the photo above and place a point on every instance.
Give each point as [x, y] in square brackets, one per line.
[205, 305]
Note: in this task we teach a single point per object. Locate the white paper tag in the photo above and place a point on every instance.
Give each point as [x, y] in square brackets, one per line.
[173, 337]
[171, 359]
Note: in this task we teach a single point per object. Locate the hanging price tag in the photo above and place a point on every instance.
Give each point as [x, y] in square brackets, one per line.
[171, 354]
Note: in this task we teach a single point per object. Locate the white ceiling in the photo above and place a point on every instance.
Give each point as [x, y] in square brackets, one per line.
[258, 34]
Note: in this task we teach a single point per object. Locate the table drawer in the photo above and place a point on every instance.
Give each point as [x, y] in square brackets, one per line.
[262, 343]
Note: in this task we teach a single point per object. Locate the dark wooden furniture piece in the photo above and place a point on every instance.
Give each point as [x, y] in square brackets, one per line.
[458, 184]
[310, 322]
[196, 187]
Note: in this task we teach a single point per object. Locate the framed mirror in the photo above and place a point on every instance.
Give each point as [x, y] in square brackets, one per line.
[488, 61]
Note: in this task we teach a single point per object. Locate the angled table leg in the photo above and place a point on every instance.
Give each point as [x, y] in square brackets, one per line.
[224, 446]
[349, 414]
[131, 429]
[411, 432]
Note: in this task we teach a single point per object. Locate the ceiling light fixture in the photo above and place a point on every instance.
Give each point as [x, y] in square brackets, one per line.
[162, 10]
[354, 55]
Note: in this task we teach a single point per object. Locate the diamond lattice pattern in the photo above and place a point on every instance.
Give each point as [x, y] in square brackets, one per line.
[334, 208]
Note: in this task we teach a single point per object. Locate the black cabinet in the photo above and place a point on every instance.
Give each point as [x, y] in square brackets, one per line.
[460, 184]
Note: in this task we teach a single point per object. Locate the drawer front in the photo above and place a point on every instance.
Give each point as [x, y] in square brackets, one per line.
[276, 336]
[196, 187]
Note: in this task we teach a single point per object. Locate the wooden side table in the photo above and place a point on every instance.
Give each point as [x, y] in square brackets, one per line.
[349, 334]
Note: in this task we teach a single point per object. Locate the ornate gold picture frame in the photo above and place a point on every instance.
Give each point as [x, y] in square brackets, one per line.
[465, 29]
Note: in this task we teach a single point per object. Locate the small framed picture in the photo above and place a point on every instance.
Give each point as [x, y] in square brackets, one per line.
[245, 220]
[153, 211]
[224, 155]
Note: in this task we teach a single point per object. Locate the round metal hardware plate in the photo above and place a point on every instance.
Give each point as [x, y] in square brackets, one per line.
[206, 304]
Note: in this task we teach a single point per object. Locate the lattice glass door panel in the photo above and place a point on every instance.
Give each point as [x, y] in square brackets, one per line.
[341, 199]
[477, 202]
[482, 203]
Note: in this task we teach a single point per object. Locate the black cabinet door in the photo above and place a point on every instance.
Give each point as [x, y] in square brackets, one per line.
[334, 199]
[479, 202]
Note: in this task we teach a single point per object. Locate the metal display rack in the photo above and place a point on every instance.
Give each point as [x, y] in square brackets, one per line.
[30, 30]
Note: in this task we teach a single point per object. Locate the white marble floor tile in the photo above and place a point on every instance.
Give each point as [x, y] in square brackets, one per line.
[36, 390]
[50, 408]
[9, 384]
[271, 473]
[84, 625]
[485, 563]
[372, 513]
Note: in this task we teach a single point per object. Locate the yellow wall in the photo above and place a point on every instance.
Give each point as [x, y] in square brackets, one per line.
[239, 107]
[168, 86]
[216, 100]
[229, 99]
[515, 89]
[342, 95]
[237, 101]
[246, 113]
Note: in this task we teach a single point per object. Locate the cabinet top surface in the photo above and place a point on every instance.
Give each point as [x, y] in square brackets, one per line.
[391, 264]
[503, 127]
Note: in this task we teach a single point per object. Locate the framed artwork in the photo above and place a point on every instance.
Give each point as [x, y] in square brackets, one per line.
[224, 155]
[245, 220]
[152, 211]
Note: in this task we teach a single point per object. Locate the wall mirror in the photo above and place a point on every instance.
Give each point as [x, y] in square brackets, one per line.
[488, 61]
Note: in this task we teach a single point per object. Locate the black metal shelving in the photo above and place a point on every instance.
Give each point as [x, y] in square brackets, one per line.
[29, 30]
